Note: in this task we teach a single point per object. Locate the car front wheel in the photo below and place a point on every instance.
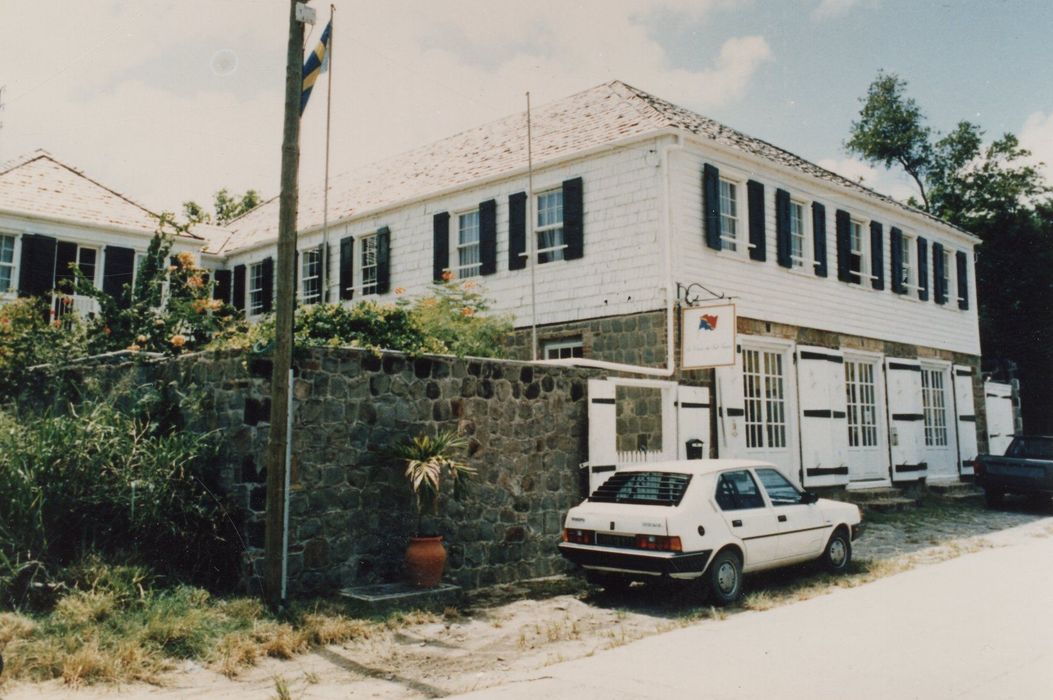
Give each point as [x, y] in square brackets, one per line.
[725, 578]
[838, 552]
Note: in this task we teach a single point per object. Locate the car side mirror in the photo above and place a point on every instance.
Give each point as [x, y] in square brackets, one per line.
[807, 497]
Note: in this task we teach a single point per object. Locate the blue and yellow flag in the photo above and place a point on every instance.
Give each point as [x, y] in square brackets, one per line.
[317, 63]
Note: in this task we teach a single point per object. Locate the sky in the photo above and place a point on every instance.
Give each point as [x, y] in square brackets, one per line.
[169, 100]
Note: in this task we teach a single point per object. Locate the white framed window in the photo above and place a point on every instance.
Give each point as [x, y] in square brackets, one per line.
[907, 269]
[798, 237]
[87, 260]
[857, 252]
[469, 260]
[861, 395]
[562, 349]
[7, 263]
[550, 241]
[729, 216]
[948, 275]
[310, 276]
[764, 391]
[256, 290]
[934, 407]
[368, 264]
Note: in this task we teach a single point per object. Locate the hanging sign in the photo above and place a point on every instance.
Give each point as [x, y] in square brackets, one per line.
[707, 337]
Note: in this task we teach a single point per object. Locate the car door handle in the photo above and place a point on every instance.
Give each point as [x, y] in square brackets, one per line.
[782, 518]
[736, 523]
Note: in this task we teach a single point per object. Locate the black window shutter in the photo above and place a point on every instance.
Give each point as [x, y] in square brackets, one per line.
[895, 270]
[268, 284]
[782, 227]
[517, 231]
[36, 274]
[347, 267]
[222, 289]
[877, 255]
[573, 219]
[383, 260]
[755, 195]
[711, 205]
[117, 272]
[844, 246]
[239, 287]
[65, 255]
[819, 238]
[963, 279]
[923, 269]
[440, 245]
[488, 237]
[939, 290]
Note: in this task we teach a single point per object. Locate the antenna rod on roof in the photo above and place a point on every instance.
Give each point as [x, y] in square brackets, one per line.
[532, 245]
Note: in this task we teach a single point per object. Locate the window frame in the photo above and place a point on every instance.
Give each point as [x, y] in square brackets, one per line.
[855, 404]
[457, 246]
[305, 256]
[786, 482]
[940, 423]
[759, 423]
[12, 267]
[863, 254]
[732, 244]
[909, 263]
[720, 478]
[805, 262]
[556, 251]
[560, 344]
[368, 245]
[253, 277]
[950, 274]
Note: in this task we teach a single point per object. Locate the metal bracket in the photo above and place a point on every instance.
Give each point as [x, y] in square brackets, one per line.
[305, 14]
[684, 294]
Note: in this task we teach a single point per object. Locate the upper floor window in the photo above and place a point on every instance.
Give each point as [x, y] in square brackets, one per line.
[550, 242]
[310, 276]
[907, 270]
[562, 349]
[256, 290]
[948, 261]
[469, 262]
[369, 265]
[798, 240]
[7, 262]
[729, 217]
[857, 251]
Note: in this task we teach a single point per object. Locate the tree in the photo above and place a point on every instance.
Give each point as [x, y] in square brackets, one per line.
[226, 206]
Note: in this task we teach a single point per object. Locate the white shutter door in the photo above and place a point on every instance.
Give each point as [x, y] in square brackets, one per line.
[907, 419]
[731, 410]
[692, 418]
[603, 431]
[824, 431]
[998, 403]
[966, 408]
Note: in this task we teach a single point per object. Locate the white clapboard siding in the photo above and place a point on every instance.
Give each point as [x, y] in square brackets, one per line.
[731, 410]
[907, 420]
[692, 417]
[603, 431]
[823, 413]
[966, 409]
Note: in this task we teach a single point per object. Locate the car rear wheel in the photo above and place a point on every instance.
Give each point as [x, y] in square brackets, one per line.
[838, 553]
[993, 498]
[724, 579]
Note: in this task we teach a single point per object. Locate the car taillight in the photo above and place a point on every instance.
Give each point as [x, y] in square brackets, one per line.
[579, 536]
[659, 543]
[978, 467]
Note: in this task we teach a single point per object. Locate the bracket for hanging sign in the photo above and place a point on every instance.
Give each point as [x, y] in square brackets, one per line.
[696, 292]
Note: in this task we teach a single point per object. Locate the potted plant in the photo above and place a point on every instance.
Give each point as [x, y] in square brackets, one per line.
[432, 469]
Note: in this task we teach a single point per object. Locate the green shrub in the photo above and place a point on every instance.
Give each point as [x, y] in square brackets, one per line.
[28, 337]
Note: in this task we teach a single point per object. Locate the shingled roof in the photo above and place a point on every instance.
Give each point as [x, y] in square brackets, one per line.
[601, 115]
[40, 185]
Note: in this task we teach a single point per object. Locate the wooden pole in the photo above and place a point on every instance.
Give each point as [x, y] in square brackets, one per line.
[283, 326]
[324, 262]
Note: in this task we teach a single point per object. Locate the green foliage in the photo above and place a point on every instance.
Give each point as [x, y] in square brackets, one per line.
[431, 462]
[227, 207]
[455, 314]
[29, 338]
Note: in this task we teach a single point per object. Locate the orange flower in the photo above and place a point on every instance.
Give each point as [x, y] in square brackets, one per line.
[57, 323]
[469, 285]
[185, 259]
[195, 281]
[447, 275]
[140, 339]
[178, 340]
[134, 348]
[467, 311]
[200, 305]
[106, 330]
[400, 290]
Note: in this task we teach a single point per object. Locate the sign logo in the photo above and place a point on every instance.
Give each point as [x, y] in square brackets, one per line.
[708, 322]
[708, 338]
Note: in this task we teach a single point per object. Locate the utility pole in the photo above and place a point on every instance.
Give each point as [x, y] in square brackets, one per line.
[283, 326]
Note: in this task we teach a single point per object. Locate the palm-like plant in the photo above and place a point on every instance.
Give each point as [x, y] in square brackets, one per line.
[431, 462]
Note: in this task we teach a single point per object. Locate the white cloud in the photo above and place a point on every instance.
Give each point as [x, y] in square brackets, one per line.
[1037, 136]
[893, 184]
[827, 9]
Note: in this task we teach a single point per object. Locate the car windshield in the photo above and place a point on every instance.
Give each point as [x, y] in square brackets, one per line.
[1031, 448]
[643, 488]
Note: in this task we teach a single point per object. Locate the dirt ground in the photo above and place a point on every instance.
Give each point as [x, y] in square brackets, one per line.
[512, 633]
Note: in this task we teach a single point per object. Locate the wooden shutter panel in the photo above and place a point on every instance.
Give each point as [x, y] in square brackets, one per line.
[268, 284]
[117, 272]
[844, 245]
[517, 206]
[819, 238]
[37, 266]
[692, 418]
[222, 289]
[603, 431]
[965, 408]
[573, 219]
[963, 279]
[895, 271]
[822, 402]
[711, 205]
[939, 291]
[65, 255]
[440, 245]
[239, 287]
[923, 269]
[383, 260]
[877, 255]
[347, 268]
[488, 237]
[907, 419]
[782, 228]
[755, 195]
[731, 409]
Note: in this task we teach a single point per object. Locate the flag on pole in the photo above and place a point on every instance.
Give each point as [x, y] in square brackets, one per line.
[317, 63]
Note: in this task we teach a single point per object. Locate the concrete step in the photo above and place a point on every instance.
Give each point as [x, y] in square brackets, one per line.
[891, 504]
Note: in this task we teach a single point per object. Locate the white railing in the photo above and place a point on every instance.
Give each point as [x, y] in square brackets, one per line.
[640, 456]
[62, 305]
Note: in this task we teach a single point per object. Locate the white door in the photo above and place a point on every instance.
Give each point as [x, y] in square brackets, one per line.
[603, 432]
[966, 413]
[692, 418]
[906, 440]
[941, 452]
[802, 528]
[998, 400]
[821, 399]
[865, 401]
[748, 517]
[767, 392]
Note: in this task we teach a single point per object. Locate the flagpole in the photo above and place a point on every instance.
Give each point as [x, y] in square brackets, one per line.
[324, 262]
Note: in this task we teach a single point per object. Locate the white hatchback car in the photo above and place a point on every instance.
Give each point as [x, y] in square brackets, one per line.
[709, 520]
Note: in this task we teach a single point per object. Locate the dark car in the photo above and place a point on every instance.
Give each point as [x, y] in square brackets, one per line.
[1025, 468]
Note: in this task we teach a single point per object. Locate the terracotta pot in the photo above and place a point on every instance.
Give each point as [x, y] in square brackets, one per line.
[425, 561]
